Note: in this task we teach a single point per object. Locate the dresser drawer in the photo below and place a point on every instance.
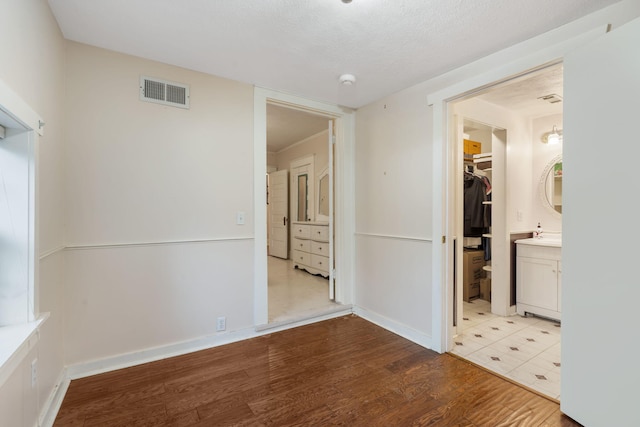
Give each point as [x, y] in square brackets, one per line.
[320, 232]
[320, 262]
[300, 257]
[302, 231]
[302, 245]
[319, 248]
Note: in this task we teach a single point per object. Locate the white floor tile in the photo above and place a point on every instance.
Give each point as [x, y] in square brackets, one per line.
[525, 349]
[294, 293]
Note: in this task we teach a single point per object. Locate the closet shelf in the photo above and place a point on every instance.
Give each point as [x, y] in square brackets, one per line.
[481, 158]
[487, 268]
[488, 235]
[487, 202]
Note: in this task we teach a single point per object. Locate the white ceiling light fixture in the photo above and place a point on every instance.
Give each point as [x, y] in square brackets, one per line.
[346, 1]
[553, 137]
[347, 79]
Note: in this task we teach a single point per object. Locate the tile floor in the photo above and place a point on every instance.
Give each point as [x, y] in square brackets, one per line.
[295, 294]
[524, 349]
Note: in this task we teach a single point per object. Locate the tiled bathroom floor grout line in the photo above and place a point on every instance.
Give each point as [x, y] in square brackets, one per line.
[545, 380]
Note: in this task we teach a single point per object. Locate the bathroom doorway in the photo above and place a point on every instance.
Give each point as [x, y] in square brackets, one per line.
[498, 142]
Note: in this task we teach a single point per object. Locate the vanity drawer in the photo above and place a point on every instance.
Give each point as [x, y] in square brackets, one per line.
[544, 252]
[302, 245]
[301, 231]
[319, 248]
[320, 232]
[300, 257]
[320, 262]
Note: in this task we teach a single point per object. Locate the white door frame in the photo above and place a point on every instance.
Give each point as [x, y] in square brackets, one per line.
[519, 60]
[344, 194]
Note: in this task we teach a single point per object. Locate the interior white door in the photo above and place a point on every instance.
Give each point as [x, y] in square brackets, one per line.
[279, 211]
[600, 373]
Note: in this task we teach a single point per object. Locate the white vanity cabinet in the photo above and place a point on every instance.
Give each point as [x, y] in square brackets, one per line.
[539, 277]
[311, 247]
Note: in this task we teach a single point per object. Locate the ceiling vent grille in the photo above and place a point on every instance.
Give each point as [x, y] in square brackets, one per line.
[164, 92]
[551, 98]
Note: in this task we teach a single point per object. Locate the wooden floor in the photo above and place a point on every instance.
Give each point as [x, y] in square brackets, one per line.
[344, 371]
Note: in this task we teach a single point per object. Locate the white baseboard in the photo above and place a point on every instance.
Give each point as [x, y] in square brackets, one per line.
[86, 369]
[54, 401]
[404, 331]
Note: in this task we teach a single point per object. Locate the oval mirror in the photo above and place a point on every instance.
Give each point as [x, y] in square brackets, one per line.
[551, 185]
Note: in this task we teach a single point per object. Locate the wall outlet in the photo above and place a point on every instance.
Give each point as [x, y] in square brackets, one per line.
[221, 324]
[34, 373]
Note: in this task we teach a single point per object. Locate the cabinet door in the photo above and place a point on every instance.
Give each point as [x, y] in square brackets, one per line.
[537, 282]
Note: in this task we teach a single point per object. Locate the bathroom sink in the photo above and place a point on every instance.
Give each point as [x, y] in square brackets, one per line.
[553, 240]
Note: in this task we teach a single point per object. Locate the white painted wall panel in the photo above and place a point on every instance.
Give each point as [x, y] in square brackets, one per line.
[393, 167]
[143, 172]
[393, 281]
[123, 300]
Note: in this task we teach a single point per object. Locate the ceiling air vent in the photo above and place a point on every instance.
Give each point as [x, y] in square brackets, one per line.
[164, 92]
[551, 98]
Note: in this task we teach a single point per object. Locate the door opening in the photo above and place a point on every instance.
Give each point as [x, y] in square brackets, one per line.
[496, 156]
[300, 221]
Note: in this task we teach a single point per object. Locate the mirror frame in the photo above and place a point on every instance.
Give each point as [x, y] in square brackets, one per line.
[543, 185]
[320, 216]
[303, 197]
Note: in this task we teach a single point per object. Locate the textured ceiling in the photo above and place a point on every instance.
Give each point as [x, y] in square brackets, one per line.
[303, 46]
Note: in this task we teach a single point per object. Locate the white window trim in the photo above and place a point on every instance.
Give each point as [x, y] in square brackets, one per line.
[18, 339]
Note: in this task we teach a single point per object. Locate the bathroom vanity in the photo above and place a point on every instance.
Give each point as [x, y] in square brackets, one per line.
[539, 276]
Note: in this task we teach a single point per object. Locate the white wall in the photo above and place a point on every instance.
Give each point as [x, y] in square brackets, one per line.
[316, 145]
[541, 156]
[153, 192]
[33, 66]
[393, 214]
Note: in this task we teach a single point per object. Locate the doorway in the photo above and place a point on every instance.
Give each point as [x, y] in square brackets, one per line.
[343, 214]
[498, 139]
[300, 246]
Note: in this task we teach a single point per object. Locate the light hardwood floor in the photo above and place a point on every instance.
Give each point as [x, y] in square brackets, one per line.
[345, 371]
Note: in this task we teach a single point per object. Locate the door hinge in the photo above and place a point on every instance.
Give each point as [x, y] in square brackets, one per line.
[333, 274]
[333, 139]
[444, 239]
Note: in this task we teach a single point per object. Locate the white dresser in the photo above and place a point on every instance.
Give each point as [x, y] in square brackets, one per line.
[539, 277]
[311, 246]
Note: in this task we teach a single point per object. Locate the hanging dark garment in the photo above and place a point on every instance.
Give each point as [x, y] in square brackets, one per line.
[475, 192]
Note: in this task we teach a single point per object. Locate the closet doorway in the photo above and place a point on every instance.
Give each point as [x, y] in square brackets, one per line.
[300, 238]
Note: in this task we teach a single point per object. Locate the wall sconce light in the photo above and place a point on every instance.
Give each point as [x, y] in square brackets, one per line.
[553, 137]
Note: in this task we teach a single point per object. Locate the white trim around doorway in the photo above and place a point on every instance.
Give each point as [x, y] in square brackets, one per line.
[524, 58]
[344, 194]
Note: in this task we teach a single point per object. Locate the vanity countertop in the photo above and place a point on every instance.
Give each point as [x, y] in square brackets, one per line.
[554, 241]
